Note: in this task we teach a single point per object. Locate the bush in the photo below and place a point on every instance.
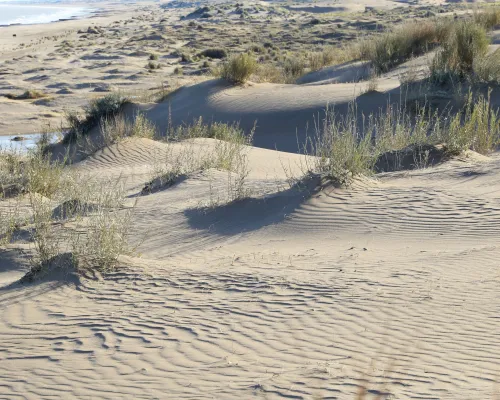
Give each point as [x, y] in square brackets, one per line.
[487, 68]
[293, 68]
[98, 109]
[488, 19]
[214, 53]
[239, 68]
[466, 43]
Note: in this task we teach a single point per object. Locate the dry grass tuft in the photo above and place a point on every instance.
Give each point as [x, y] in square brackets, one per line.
[31, 94]
[239, 68]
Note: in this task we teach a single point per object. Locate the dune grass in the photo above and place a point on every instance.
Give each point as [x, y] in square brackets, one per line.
[351, 145]
[463, 47]
[63, 212]
[97, 110]
[228, 153]
[397, 46]
[238, 68]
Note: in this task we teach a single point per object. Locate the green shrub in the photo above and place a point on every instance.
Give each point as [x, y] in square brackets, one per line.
[239, 68]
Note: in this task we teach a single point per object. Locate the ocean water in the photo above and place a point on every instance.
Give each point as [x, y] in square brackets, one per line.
[22, 13]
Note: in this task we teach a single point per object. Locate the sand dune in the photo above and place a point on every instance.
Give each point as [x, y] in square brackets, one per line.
[384, 289]
[391, 284]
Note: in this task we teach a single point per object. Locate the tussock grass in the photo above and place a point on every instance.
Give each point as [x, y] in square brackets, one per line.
[98, 109]
[464, 45]
[476, 128]
[351, 145]
[239, 68]
[487, 68]
[342, 151]
[397, 46]
[488, 19]
[114, 129]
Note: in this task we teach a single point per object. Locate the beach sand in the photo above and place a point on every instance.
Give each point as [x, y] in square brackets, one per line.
[386, 289]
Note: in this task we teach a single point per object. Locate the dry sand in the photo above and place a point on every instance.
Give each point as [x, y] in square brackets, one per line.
[390, 284]
[310, 293]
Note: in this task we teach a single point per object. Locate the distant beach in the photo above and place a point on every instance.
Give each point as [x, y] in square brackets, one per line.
[23, 14]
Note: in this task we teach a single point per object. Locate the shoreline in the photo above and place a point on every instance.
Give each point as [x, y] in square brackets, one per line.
[53, 13]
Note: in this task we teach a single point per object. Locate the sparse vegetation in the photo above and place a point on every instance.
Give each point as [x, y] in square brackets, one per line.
[351, 145]
[63, 212]
[31, 94]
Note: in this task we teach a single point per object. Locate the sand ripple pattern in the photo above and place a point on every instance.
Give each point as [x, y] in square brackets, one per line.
[392, 285]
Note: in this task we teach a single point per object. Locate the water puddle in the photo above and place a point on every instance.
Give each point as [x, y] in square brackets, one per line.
[23, 142]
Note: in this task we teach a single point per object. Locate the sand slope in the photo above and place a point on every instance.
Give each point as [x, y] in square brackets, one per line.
[391, 284]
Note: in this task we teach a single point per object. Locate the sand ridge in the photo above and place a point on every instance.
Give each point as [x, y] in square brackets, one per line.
[304, 299]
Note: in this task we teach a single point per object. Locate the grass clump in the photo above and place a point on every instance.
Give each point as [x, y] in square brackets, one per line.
[352, 145]
[341, 151]
[487, 68]
[399, 45]
[488, 19]
[116, 128]
[239, 68]
[214, 53]
[293, 68]
[98, 109]
[477, 128]
[465, 44]
[31, 94]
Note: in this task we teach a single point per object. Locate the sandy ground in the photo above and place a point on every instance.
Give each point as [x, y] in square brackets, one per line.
[73, 62]
[304, 293]
[391, 284]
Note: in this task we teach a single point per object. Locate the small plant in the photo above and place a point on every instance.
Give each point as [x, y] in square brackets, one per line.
[98, 109]
[293, 68]
[153, 57]
[466, 43]
[31, 94]
[477, 129]
[214, 53]
[239, 68]
[341, 151]
[153, 65]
